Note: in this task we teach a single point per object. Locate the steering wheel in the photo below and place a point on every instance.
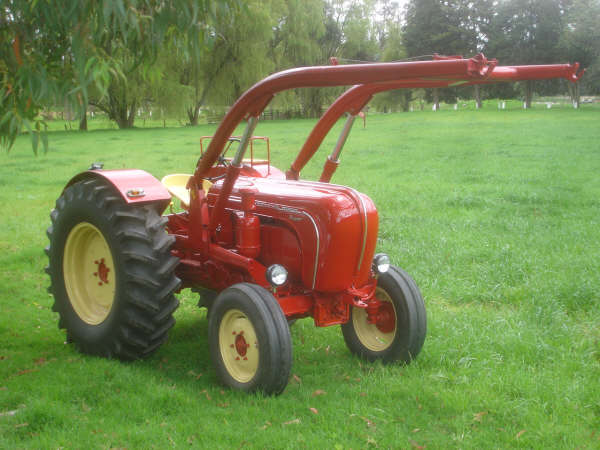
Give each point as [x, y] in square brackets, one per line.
[221, 160]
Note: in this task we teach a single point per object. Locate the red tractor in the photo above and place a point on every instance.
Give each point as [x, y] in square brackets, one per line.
[261, 246]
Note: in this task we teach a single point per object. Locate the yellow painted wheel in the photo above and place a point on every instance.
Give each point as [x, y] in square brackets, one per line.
[376, 336]
[239, 346]
[89, 273]
[249, 340]
[396, 327]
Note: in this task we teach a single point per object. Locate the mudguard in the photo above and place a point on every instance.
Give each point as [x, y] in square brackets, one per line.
[135, 186]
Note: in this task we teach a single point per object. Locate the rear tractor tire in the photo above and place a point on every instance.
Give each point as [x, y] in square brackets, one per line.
[112, 272]
[399, 332]
[249, 338]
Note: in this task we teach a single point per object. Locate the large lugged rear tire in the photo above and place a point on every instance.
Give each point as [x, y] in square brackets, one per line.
[250, 343]
[400, 331]
[112, 272]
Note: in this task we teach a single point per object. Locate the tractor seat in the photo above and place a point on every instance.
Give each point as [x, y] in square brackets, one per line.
[176, 184]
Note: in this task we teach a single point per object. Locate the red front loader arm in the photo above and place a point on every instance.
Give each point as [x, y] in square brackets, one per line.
[354, 99]
[255, 99]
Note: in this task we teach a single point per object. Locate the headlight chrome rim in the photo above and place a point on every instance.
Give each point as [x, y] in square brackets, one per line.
[276, 275]
[381, 263]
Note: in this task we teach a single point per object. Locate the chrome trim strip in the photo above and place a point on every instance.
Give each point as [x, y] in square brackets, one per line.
[239, 155]
[298, 211]
[339, 145]
[365, 228]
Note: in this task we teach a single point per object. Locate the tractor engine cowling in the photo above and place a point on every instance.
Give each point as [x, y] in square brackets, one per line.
[324, 234]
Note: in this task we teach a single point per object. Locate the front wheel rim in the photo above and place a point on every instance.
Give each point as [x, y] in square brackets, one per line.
[89, 273]
[238, 345]
[372, 335]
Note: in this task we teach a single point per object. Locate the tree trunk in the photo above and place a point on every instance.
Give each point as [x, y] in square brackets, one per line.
[477, 96]
[68, 115]
[193, 114]
[574, 94]
[120, 112]
[405, 98]
[83, 121]
[131, 117]
[436, 99]
[528, 93]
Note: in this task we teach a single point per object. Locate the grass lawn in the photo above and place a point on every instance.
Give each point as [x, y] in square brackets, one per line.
[496, 214]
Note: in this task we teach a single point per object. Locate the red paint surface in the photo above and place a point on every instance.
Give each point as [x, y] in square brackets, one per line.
[126, 179]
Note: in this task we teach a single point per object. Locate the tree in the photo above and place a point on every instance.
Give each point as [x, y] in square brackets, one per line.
[360, 35]
[392, 49]
[236, 58]
[49, 53]
[581, 42]
[526, 32]
[301, 37]
[435, 26]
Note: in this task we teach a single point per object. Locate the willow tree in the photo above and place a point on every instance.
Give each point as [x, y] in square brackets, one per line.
[393, 50]
[51, 54]
[299, 30]
[235, 58]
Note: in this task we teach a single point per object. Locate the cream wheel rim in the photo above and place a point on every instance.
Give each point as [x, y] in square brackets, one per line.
[369, 334]
[89, 273]
[238, 345]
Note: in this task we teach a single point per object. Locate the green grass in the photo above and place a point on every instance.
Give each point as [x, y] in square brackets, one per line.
[496, 214]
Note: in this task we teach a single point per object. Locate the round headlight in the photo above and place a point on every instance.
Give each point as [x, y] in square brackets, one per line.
[277, 275]
[381, 263]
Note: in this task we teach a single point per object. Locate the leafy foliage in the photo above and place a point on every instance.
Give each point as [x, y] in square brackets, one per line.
[581, 40]
[51, 55]
[180, 57]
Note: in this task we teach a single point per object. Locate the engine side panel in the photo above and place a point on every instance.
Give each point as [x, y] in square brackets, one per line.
[335, 229]
[280, 245]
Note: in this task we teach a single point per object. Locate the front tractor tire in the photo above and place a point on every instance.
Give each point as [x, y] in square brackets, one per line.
[112, 272]
[249, 338]
[399, 332]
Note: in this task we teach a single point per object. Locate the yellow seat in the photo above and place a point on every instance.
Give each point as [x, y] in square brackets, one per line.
[176, 184]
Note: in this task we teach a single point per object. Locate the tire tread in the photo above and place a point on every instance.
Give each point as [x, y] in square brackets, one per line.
[146, 300]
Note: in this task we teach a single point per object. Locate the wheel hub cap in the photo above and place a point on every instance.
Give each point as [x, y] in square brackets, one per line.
[238, 345]
[102, 272]
[89, 273]
[376, 335]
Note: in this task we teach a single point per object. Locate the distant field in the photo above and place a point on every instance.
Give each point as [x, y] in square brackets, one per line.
[101, 122]
[496, 214]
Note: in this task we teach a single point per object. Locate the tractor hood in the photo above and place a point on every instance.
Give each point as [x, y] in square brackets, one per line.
[331, 230]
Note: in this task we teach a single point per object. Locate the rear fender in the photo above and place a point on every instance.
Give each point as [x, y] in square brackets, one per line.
[135, 186]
